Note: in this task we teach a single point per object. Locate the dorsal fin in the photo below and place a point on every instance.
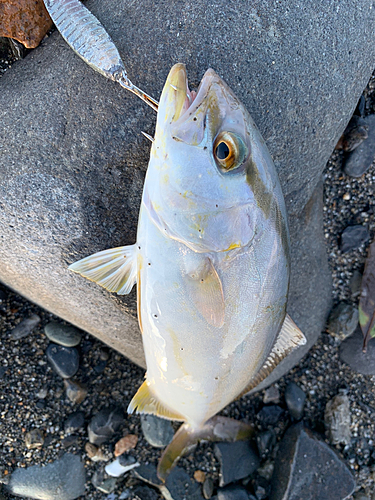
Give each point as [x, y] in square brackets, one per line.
[145, 402]
[114, 269]
[289, 338]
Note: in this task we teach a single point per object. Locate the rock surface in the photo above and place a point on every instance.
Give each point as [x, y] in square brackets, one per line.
[352, 354]
[63, 479]
[72, 168]
[64, 360]
[353, 237]
[295, 400]
[25, 327]
[337, 419]
[237, 460]
[157, 431]
[360, 160]
[343, 320]
[104, 425]
[61, 334]
[307, 468]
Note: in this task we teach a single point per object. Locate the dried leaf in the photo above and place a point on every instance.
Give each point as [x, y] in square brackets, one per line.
[367, 298]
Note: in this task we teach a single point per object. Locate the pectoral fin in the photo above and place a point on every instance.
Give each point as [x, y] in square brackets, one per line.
[145, 402]
[205, 290]
[114, 269]
[289, 338]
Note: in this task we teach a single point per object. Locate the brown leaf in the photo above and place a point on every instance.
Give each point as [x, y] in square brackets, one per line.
[24, 20]
[367, 298]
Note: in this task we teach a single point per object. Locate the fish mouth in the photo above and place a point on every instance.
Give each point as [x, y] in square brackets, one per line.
[177, 98]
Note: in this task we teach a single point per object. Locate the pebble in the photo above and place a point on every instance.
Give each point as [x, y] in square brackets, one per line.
[360, 160]
[355, 283]
[121, 465]
[75, 391]
[126, 443]
[208, 488]
[63, 479]
[266, 470]
[337, 420]
[233, 493]
[95, 454]
[237, 460]
[34, 439]
[307, 468]
[295, 400]
[65, 335]
[157, 431]
[144, 493]
[200, 476]
[270, 415]
[343, 320]
[271, 395]
[25, 327]
[105, 424]
[352, 354]
[352, 237]
[64, 360]
[266, 441]
[74, 422]
[355, 133]
[71, 440]
[105, 485]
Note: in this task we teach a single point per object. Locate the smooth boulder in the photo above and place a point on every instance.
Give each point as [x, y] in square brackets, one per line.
[73, 160]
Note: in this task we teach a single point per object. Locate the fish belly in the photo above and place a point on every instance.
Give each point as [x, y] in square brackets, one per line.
[193, 367]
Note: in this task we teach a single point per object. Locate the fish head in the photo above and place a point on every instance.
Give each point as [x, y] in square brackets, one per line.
[209, 182]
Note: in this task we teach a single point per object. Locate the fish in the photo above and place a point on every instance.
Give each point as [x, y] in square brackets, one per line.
[211, 262]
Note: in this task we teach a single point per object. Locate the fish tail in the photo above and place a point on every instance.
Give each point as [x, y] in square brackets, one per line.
[216, 429]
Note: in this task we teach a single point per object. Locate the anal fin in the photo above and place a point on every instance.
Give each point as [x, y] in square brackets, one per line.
[114, 269]
[145, 402]
[290, 337]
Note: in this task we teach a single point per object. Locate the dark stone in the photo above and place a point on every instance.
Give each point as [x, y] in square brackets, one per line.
[105, 424]
[74, 422]
[337, 419]
[145, 493]
[157, 431]
[100, 367]
[66, 335]
[355, 133]
[352, 354]
[90, 199]
[147, 473]
[75, 391]
[63, 479]
[307, 468]
[295, 400]
[343, 320]
[71, 440]
[208, 488]
[270, 415]
[237, 460]
[3, 370]
[353, 237]
[360, 160]
[64, 360]
[233, 493]
[355, 283]
[25, 327]
[266, 441]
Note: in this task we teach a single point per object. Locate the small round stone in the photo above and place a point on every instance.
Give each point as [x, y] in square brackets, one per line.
[74, 422]
[157, 431]
[34, 439]
[65, 335]
[75, 391]
[64, 360]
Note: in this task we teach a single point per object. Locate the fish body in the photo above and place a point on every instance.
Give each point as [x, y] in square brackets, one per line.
[211, 259]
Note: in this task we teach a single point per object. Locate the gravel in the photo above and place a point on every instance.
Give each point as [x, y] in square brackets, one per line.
[32, 395]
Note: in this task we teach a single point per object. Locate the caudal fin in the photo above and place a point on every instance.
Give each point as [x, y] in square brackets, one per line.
[216, 429]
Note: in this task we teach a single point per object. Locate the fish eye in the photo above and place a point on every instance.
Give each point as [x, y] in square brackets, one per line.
[229, 151]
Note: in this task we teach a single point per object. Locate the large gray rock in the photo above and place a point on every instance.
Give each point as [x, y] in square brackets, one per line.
[73, 160]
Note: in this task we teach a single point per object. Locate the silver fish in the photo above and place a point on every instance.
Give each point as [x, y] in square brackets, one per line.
[211, 262]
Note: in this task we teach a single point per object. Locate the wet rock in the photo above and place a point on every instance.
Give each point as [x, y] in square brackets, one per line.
[158, 432]
[352, 354]
[65, 335]
[306, 467]
[25, 327]
[355, 133]
[74, 422]
[355, 283]
[34, 439]
[270, 415]
[121, 465]
[343, 320]
[337, 419]
[104, 425]
[271, 395]
[295, 400]
[353, 237]
[126, 443]
[63, 479]
[233, 493]
[266, 441]
[25, 20]
[237, 460]
[360, 160]
[75, 391]
[64, 360]
[208, 488]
